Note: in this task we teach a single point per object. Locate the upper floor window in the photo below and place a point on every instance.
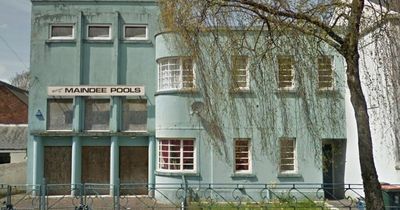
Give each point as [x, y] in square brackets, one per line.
[97, 114]
[240, 72]
[175, 73]
[135, 32]
[288, 155]
[59, 114]
[242, 156]
[99, 32]
[286, 72]
[62, 31]
[325, 73]
[176, 155]
[134, 115]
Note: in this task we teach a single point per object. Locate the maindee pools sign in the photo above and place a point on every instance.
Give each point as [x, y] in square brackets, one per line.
[95, 90]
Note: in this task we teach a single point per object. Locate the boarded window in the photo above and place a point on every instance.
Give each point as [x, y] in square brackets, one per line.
[135, 32]
[97, 114]
[57, 169]
[62, 32]
[99, 32]
[134, 115]
[59, 114]
[325, 72]
[240, 72]
[242, 155]
[287, 153]
[285, 72]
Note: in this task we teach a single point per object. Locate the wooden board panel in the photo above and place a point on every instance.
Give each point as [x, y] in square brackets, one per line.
[96, 165]
[57, 169]
[134, 169]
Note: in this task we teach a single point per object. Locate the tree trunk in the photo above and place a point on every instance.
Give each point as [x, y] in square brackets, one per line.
[372, 187]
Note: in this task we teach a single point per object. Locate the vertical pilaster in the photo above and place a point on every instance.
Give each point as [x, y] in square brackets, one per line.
[38, 158]
[76, 164]
[152, 161]
[114, 163]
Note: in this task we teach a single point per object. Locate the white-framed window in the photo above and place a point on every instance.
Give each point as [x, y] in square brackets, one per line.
[98, 32]
[59, 114]
[97, 114]
[62, 31]
[325, 73]
[286, 73]
[240, 72]
[175, 73]
[134, 115]
[287, 155]
[242, 155]
[176, 155]
[135, 32]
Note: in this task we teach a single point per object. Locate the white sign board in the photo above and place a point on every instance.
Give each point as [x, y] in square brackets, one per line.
[95, 90]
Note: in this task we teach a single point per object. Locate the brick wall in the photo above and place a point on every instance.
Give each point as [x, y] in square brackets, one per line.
[12, 110]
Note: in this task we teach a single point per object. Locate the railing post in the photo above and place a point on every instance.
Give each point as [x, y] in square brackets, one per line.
[116, 194]
[184, 201]
[42, 194]
[8, 203]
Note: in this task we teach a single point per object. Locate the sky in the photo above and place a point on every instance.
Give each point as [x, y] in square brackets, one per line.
[15, 29]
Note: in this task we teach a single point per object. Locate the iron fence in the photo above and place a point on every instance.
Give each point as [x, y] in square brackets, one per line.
[185, 196]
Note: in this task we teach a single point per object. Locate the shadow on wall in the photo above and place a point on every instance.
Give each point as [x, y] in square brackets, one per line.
[13, 173]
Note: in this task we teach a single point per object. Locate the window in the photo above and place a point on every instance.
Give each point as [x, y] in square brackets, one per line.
[134, 115]
[99, 32]
[285, 72]
[325, 73]
[135, 32]
[242, 156]
[240, 78]
[176, 155]
[62, 31]
[288, 156]
[97, 114]
[59, 114]
[175, 73]
[5, 158]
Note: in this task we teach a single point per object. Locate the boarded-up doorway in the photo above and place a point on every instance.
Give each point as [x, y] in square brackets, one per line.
[96, 168]
[57, 169]
[134, 170]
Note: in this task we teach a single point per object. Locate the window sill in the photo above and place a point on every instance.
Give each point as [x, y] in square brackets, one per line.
[51, 41]
[243, 175]
[178, 91]
[136, 41]
[176, 174]
[87, 133]
[289, 175]
[104, 41]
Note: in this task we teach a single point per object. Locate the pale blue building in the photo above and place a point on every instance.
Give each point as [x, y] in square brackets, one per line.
[113, 100]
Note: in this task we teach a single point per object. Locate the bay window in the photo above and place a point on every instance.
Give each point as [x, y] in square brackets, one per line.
[175, 73]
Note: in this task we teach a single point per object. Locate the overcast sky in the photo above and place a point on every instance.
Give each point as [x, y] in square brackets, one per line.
[15, 29]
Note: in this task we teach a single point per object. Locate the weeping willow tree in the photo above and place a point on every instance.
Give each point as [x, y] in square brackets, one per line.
[306, 29]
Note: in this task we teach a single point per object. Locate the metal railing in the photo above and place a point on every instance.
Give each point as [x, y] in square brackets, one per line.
[180, 196]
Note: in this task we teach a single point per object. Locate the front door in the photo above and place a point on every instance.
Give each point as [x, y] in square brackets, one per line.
[328, 176]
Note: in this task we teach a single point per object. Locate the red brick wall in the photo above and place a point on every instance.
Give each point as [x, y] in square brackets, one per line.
[12, 110]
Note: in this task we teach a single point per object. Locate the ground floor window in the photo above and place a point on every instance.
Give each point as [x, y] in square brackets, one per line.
[242, 156]
[176, 155]
[288, 155]
[5, 158]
